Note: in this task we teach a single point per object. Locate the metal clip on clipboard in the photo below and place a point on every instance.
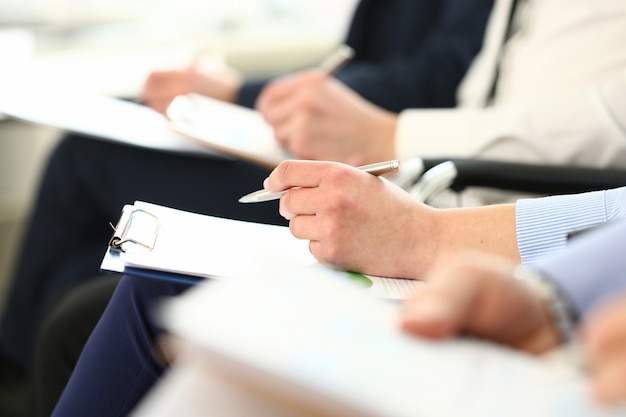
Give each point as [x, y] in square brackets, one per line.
[136, 227]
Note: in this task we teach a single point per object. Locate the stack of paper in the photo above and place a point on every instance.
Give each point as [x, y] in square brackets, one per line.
[162, 239]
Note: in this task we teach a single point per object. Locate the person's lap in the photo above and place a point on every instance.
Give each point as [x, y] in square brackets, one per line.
[120, 352]
[65, 330]
[85, 186]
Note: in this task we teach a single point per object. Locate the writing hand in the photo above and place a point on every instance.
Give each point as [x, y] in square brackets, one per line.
[314, 116]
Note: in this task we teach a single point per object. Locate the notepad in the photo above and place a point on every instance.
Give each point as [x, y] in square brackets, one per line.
[152, 239]
[298, 340]
[99, 117]
[227, 128]
[194, 124]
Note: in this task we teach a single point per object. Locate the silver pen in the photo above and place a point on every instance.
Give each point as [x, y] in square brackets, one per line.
[336, 60]
[379, 168]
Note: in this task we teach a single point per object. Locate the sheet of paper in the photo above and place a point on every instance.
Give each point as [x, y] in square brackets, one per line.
[100, 117]
[230, 129]
[299, 333]
[394, 288]
[192, 388]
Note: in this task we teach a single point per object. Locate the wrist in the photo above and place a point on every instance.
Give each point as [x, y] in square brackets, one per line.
[557, 308]
[430, 234]
[382, 131]
[220, 86]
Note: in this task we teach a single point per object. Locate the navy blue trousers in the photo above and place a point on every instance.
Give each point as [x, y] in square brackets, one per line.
[81, 192]
[119, 363]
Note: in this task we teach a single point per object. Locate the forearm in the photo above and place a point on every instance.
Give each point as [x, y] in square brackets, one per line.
[489, 229]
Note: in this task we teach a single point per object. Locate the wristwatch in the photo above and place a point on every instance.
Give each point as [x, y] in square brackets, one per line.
[558, 307]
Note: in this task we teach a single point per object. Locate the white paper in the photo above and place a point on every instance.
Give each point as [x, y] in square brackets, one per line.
[100, 117]
[228, 128]
[211, 247]
[305, 336]
[206, 246]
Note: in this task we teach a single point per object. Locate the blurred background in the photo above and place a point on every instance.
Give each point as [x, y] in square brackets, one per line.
[109, 47]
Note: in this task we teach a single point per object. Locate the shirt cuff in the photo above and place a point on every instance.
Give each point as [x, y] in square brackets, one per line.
[591, 270]
[544, 223]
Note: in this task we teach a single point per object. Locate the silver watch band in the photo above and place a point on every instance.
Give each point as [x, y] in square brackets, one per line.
[558, 307]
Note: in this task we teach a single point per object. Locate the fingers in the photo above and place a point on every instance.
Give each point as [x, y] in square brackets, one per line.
[290, 174]
[609, 380]
[279, 111]
[288, 106]
[293, 133]
[476, 293]
[604, 337]
[302, 180]
[299, 201]
[305, 227]
[437, 310]
[284, 87]
[161, 87]
[159, 105]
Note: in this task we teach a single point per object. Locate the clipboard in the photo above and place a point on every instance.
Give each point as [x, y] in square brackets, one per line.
[157, 241]
[99, 117]
[226, 128]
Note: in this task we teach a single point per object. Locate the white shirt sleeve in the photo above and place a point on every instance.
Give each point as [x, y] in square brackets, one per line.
[543, 223]
[582, 128]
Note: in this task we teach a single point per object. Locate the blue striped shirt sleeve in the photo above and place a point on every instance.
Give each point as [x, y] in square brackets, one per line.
[544, 223]
[591, 270]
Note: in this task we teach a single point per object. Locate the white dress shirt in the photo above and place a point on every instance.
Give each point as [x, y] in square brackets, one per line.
[560, 97]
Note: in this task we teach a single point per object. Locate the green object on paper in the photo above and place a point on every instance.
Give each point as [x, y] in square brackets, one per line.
[360, 279]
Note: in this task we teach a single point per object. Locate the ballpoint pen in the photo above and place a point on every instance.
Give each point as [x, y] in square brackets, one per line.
[379, 168]
[336, 60]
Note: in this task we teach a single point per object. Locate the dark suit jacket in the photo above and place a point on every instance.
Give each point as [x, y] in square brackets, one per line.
[408, 53]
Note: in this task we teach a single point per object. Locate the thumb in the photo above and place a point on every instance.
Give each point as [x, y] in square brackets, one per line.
[439, 311]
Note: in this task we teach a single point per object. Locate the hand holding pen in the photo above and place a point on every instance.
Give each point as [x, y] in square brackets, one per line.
[347, 213]
[315, 116]
[377, 169]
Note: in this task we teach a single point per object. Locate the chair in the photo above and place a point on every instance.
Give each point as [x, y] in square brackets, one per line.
[457, 174]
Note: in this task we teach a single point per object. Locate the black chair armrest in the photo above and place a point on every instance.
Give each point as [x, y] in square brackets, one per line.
[540, 179]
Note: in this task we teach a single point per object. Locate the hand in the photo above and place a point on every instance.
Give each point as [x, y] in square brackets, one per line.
[476, 294]
[162, 86]
[604, 341]
[354, 220]
[314, 116]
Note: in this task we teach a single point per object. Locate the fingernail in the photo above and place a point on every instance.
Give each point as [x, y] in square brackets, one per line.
[266, 183]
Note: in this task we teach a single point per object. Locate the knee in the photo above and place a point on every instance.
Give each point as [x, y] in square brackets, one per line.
[71, 319]
[142, 293]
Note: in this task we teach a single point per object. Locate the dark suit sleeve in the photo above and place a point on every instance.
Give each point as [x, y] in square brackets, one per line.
[428, 74]
[249, 92]
[409, 53]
